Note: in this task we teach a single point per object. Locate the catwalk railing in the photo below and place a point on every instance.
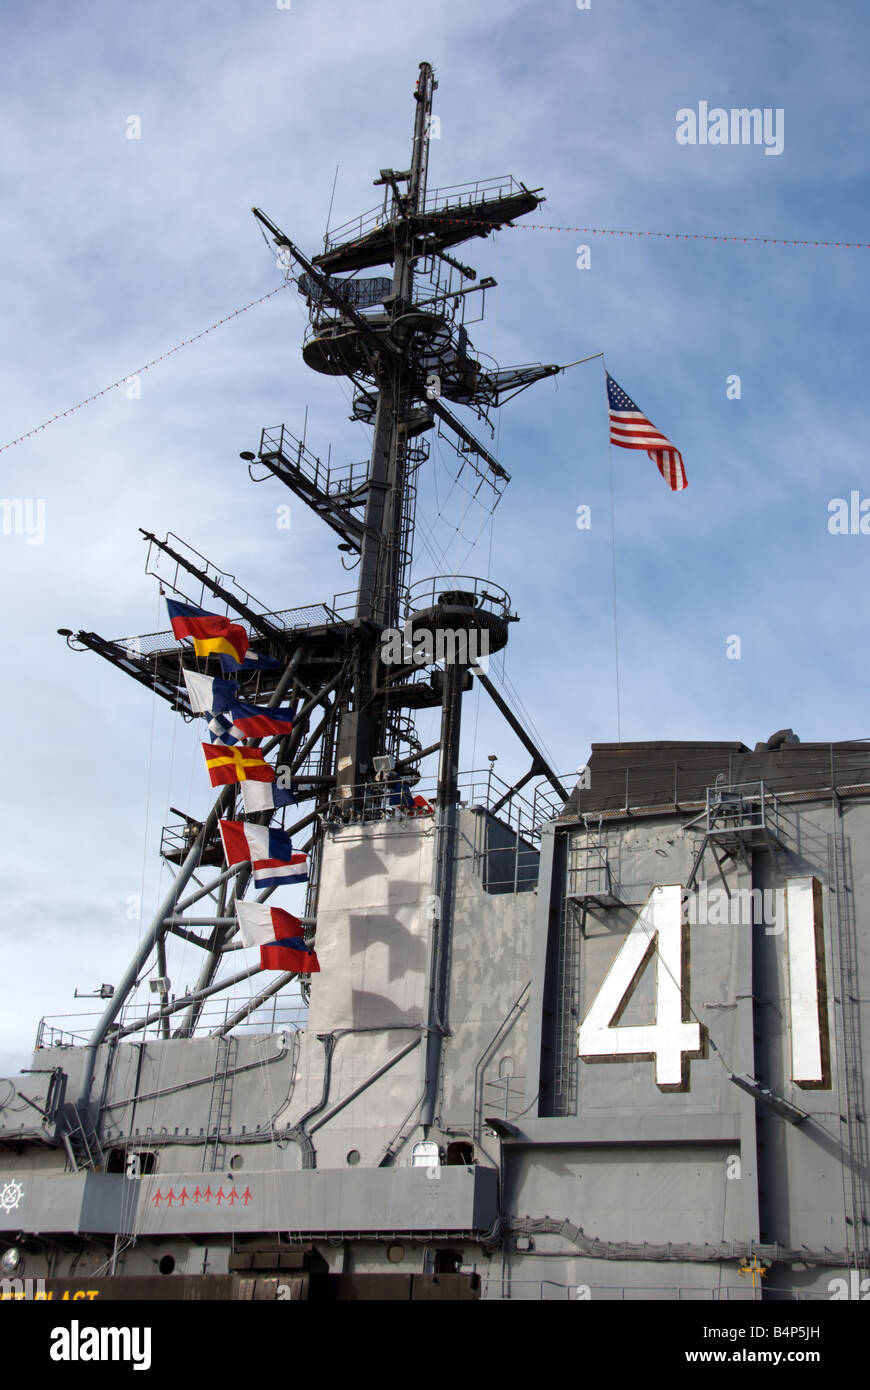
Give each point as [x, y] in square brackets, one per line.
[553, 1290]
[457, 195]
[289, 620]
[524, 814]
[281, 1011]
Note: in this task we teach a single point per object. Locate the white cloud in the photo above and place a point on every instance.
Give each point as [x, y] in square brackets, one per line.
[115, 250]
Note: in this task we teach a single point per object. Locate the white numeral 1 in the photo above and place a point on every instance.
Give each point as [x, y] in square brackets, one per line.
[807, 1002]
[657, 933]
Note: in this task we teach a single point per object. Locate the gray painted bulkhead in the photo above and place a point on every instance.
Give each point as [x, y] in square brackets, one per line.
[596, 1144]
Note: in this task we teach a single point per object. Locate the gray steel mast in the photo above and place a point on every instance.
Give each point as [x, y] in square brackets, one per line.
[382, 564]
[405, 362]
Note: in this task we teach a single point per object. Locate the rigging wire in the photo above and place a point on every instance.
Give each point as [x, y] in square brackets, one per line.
[148, 782]
[496, 328]
[331, 201]
[139, 370]
[666, 236]
[458, 221]
[504, 679]
[433, 546]
[430, 542]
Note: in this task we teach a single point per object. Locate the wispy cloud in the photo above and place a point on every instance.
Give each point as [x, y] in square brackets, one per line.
[115, 249]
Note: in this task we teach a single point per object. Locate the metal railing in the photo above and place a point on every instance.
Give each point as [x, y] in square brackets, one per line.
[178, 839]
[506, 867]
[327, 478]
[683, 783]
[742, 808]
[346, 478]
[457, 195]
[538, 1290]
[362, 294]
[344, 605]
[588, 874]
[288, 619]
[50, 1035]
[374, 801]
[279, 1012]
[480, 594]
[174, 573]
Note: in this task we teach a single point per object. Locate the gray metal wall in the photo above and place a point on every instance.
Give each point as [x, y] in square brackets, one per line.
[595, 1143]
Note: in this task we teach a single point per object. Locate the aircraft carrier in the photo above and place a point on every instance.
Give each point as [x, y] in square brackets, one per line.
[584, 1038]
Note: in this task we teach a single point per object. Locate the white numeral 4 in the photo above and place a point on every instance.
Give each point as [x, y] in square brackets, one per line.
[657, 935]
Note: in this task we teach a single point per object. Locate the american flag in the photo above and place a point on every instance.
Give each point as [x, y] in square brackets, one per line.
[630, 428]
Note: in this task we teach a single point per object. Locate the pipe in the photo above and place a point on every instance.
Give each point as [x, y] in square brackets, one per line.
[364, 1085]
[484, 1058]
[442, 883]
[146, 946]
[186, 1085]
[511, 791]
[186, 999]
[213, 955]
[540, 762]
[203, 892]
[298, 1131]
[593, 1249]
[253, 1004]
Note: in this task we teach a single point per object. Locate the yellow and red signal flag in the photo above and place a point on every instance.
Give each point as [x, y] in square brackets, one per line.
[239, 764]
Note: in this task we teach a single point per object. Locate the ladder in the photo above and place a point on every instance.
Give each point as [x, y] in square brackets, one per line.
[855, 1165]
[332, 493]
[80, 1139]
[220, 1104]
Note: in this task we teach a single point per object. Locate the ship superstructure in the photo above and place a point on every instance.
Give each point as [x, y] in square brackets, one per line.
[557, 1046]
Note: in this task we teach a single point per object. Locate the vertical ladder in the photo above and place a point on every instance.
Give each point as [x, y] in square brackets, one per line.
[566, 1004]
[852, 1088]
[80, 1139]
[220, 1104]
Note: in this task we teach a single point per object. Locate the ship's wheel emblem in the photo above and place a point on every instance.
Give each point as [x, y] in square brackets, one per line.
[10, 1196]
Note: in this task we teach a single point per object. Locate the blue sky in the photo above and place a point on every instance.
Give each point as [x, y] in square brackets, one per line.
[115, 250]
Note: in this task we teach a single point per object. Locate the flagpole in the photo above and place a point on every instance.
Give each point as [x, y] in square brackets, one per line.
[580, 360]
[613, 573]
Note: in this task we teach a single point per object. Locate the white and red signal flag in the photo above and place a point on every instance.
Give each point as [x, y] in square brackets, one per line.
[270, 853]
[279, 937]
[630, 429]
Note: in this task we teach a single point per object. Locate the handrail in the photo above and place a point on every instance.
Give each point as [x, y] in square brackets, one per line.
[437, 200]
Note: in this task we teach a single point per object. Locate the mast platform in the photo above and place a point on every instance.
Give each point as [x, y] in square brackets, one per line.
[448, 217]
